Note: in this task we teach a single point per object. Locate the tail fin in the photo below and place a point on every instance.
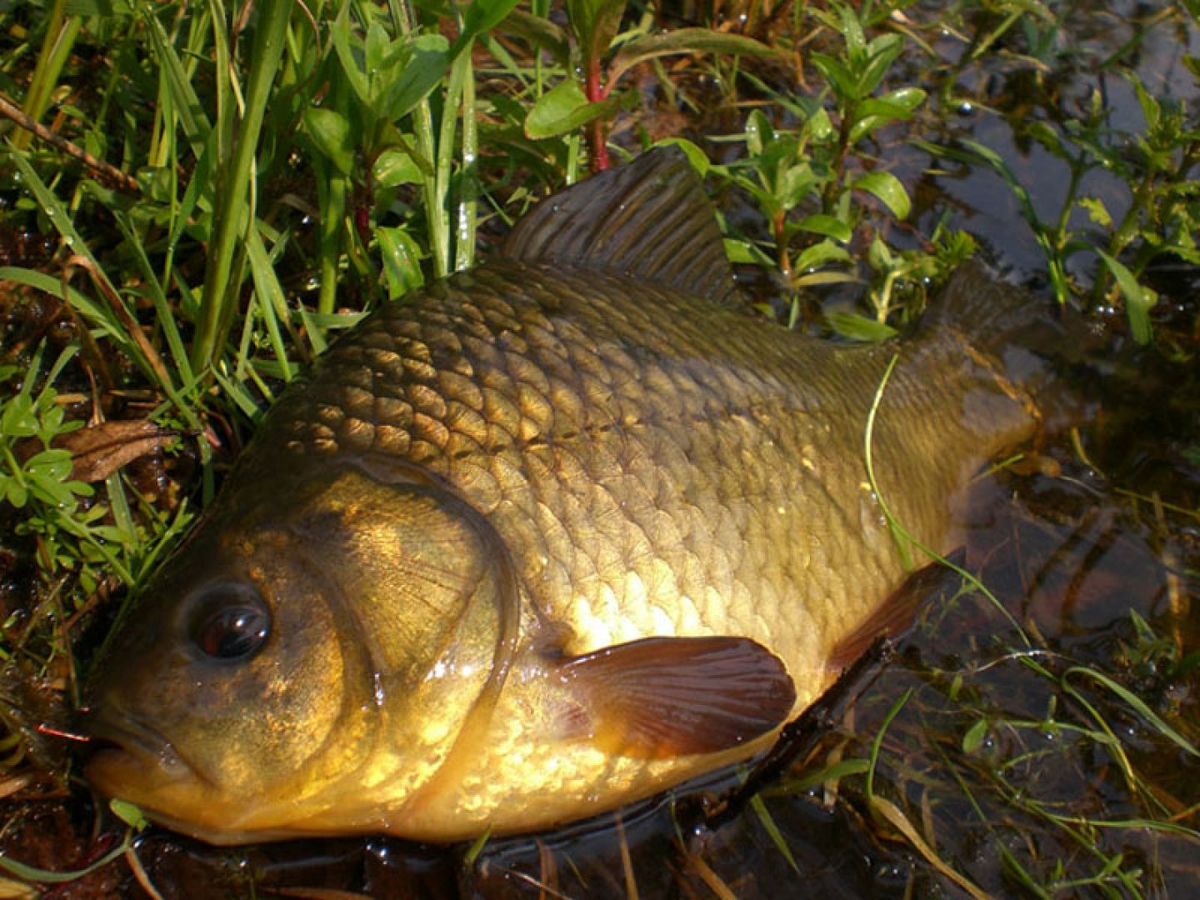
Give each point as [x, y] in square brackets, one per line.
[1019, 337]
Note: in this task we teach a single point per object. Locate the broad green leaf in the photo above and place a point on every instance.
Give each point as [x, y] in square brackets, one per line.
[330, 132]
[394, 167]
[742, 252]
[426, 67]
[481, 16]
[1138, 299]
[908, 97]
[875, 113]
[683, 40]
[973, 739]
[820, 254]
[340, 34]
[19, 419]
[844, 84]
[562, 109]
[859, 328]
[541, 33]
[887, 188]
[882, 51]
[876, 107]
[14, 492]
[851, 30]
[53, 463]
[794, 184]
[401, 261]
[376, 48]
[759, 132]
[828, 226]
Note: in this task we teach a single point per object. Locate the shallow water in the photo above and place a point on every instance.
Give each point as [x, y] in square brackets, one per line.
[999, 727]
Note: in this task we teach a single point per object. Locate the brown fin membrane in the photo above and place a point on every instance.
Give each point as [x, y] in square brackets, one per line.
[649, 219]
[663, 697]
[895, 615]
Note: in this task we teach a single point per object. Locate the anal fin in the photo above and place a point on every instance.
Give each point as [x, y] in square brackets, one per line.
[895, 615]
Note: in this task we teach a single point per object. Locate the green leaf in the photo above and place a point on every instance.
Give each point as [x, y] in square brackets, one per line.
[695, 156]
[820, 254]
[377, 48]
[827, 226]
[594, 24]
[394, 167]
[888, 189]
[425, 68]
[129, 814]
[1097, 211]
[844, 84]
[330, 132]
[883, 51]
[743, 252]
[562, 109]
[481, 16]
[875, 113]
[759, 132]
[14, 492]
[879, 255]
[340, 34]
[542, 33]
[851, 30]
[401, 260]
[794, 184]
[19, 419]
[1138, 299]
[973, 739]
[683, 40]
[859, 328]
[52, 463]
[908, 97]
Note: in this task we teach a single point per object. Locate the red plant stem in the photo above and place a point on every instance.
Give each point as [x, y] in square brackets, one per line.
[596, 137]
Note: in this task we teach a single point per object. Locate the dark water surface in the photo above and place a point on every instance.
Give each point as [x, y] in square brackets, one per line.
[1038, 743]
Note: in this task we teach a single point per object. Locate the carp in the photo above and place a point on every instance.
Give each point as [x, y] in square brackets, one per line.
[541, 539]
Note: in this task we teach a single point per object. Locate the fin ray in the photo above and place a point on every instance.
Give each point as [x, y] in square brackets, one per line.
[662, 697]
[649, 219]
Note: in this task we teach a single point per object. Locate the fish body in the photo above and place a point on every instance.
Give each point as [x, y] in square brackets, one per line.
[542, 539]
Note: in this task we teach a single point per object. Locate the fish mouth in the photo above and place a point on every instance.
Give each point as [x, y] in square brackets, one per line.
[125, 749]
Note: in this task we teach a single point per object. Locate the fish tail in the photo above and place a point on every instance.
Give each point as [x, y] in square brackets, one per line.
[1013, 335]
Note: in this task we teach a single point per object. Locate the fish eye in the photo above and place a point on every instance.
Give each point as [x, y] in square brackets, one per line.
[230, 621]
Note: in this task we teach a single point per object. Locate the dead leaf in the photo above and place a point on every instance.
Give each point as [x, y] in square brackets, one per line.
[99, 450]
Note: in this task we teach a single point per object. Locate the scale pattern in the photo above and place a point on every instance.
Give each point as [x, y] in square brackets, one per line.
[654, 465]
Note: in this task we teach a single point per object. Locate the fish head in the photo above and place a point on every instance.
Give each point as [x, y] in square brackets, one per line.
[303, 658]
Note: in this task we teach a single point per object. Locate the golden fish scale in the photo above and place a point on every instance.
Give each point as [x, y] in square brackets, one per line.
[656, 466]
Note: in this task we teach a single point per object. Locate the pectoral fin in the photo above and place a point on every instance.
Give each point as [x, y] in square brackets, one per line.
[663, 697]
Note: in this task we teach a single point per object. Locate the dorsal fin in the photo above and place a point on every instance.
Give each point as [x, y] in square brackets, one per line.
[649, 219]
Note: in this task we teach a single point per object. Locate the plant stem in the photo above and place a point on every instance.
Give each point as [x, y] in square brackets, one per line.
[235, 211]
[56, 47]
[596, 137]
[464, 237]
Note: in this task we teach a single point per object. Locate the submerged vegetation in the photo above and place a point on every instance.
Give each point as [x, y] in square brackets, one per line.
[197, 198]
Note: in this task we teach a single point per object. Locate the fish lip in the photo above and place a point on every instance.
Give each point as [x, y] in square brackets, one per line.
[128, 737]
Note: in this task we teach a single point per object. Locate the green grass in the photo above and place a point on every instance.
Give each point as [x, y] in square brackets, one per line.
[285, 173]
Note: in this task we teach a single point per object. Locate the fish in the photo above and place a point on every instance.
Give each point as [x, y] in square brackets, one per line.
[542, 539]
